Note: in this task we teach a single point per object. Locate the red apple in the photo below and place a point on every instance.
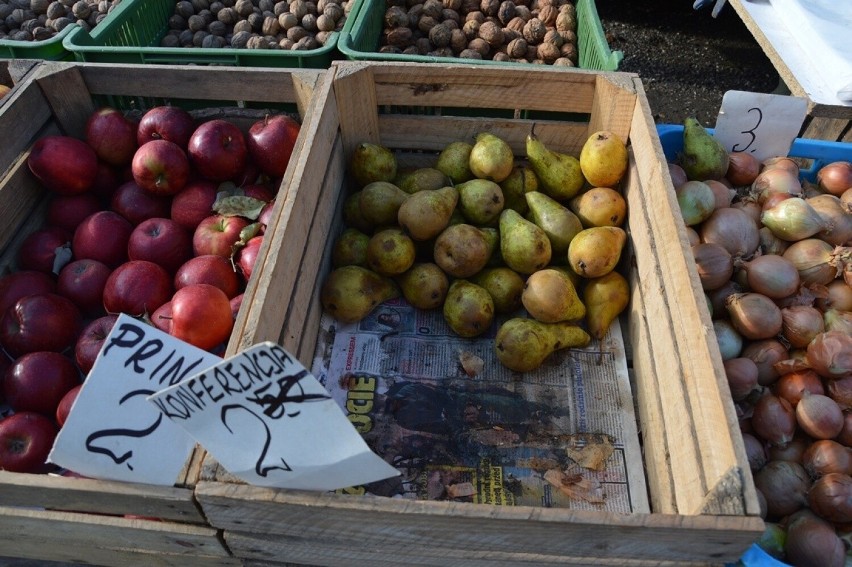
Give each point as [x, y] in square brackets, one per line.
[236, 304]
[83, 281]
[107, 181]
[194, 203]
[136, 204]
[40, 249]
[160, 167]
[112, 136]
[137, 288]
[270, 143]
[66, 403]
[259, 191]
[217, 234]
[63, 164]
[26, 439]
[102, 236]
[217, 149]
[209, 269]
[37, 381]
[166, 123]
[91, 340]
[45, 321]
[162, 241]
[16, 285]
[68, 211]
[247, 256]
[201, 315]
[162, 317]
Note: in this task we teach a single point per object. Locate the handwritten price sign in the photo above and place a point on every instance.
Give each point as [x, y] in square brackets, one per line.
[764, 125]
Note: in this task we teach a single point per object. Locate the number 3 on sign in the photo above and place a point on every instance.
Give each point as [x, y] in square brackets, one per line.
[763, 125]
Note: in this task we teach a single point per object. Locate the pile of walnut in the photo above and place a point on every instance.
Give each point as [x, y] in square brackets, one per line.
[532, 31]
[38, 20]
[255, 24]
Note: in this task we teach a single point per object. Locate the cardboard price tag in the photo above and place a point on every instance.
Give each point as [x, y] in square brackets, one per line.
[268, 421]
[764, 125]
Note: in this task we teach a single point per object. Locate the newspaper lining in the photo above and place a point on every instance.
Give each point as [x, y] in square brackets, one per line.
[495, 437]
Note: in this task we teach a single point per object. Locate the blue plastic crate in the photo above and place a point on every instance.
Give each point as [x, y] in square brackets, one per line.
[819, 151]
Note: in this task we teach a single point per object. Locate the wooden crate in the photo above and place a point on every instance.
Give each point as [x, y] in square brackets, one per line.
[702, 496]
[84, 520]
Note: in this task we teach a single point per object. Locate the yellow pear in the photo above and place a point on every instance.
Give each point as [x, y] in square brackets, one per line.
[603, 159]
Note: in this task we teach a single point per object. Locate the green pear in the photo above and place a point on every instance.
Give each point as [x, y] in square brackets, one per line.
[350, 248]
[480, 201]
[352, 216]
[549, 296]
[426, 213]
[351, 292]
[491, 158]
[390, 252]
[423, 179]
[424, 285]
[453, 161]
[557, 221]
[468, 309]
[372, 162]
[522, 345]
[703, 156]
[461, 250]
[505, 286]
[605, 298]
[380, 202]
[521, 181]
[595, 251]
[559, 175]
[524, 246]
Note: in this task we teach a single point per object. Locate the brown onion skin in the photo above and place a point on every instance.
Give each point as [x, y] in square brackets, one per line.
[743, 168]
[812, 258]
[774, 420]
[714, 263]
[813, 542]
[800, 324]
[754, 315]
[772, 276]
[766, 354]
[830, 354]
[819, 416]
[733, 229]
[835, 177]
[825, 456]
[755, 451]
[845, 436]
[793, 385]
[830, 498]
[785, 485]
[840, 391]
[741, 373]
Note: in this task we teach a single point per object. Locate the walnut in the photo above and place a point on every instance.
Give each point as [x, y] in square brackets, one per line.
[506, 12]
[458, 40]
[396, 17]
[489, 7]
[470, 54]
[517, 48]
[563, 62]
[480, 45]
[401, 37]
[548, 15]
[566, 21]
[569, 50]
[453, 4]
[240, 39]
[426, 23]
[553, 36]
[433, 8]
[492, 33]
[534, 31]
[523, 12]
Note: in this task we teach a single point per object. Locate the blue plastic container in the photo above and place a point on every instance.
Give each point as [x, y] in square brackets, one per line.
[820, 152]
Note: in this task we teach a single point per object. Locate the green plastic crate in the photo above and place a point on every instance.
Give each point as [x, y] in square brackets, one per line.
[133, 36]
[360, 37]
[48, 49]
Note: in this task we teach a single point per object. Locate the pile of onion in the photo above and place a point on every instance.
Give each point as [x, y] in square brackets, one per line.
[775, 262]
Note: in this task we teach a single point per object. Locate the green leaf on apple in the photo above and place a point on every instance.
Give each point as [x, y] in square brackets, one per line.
[239, 206]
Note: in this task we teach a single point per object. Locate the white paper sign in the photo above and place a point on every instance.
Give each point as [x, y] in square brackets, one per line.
[268, 421]
[764, 125]
[112, 432]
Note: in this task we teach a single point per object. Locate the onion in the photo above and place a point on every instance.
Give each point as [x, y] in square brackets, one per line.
[826, 456]
[813, 259]
[732, 229]
[840, 391]
[723, 194]
[714, 263]
[729, 340]
[775, 180]
[800, 324]
[750, 207]
[754, 315]
[830, 354]
[696, 201]
[837, 219]
[774, 420]
[741, 373]
[677, 174]
[819, 416]
[720, 295]
[813, 542]
[766, 354]
[743, 168]
[785, 485]
[771, 244]
[692, 236]
[845, 437]
[838, 296]
[793, 219]
[838, 320]
[793, 385]
[780, 162]
[772, 276]
[830, 497]
[792, 451]
[754, 451]
[835, 177]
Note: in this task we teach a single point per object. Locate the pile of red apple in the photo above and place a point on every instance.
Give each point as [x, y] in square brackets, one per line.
[161, 219]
